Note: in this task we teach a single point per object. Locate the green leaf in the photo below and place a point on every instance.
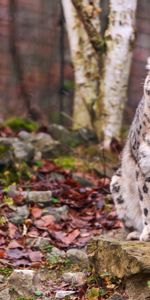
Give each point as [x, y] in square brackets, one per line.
[38, 163]
[54, 200]
[148, 283]
[38, 293]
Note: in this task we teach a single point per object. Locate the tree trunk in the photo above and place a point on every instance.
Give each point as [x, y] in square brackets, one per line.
[85, 64]
[114, 81]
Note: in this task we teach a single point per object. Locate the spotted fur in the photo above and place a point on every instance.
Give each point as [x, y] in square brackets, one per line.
[130, 186]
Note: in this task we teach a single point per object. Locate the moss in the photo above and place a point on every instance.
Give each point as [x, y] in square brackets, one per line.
[6, 271]
[4, 148]
[66, 162]
[18, 124]
[14, 174]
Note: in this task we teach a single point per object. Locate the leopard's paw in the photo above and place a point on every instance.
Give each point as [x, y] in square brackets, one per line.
[145, 235]
[134, 235]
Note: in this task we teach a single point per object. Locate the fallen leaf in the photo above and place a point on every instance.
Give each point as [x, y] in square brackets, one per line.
[16, 253]
[36, 212]
[12, 229]
[35, 255]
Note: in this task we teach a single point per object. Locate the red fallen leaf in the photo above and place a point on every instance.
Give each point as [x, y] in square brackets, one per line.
[14, 244]
[66, 239]
[16, 254]
[2, 241]
[35, 256]
[48, 167]
[33, 232]
[2, 253]
[45, 221]
[12, 229]
[72, 236]
[48, 220]
[3, 233]
[21, 263]
[36, 212]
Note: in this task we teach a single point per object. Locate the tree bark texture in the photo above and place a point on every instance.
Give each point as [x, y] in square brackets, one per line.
[85, 64]
[120, 38]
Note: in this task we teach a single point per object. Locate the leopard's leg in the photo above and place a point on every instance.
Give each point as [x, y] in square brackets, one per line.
[144, 189]
[119, 201]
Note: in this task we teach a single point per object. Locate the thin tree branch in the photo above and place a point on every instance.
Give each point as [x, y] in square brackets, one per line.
[97, 42]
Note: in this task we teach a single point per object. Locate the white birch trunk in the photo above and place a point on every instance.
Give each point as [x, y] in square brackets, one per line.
[85, 64]
[114, 81]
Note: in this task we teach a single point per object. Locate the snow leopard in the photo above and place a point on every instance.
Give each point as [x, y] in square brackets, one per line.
[130, 185]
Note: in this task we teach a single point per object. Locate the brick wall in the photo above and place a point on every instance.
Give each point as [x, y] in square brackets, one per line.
[140, 54]
[38, 41]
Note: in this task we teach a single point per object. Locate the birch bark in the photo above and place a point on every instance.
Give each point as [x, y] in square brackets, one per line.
[116, 68]
[85, 64]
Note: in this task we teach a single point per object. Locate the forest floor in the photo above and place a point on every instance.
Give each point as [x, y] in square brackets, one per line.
[50, 209]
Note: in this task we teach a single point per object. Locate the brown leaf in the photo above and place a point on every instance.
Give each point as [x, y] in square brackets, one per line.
[12, 229]
[36, 212]
[35, 255]
[16, 253]
[45, 221]
[2, 253]
[14, 244]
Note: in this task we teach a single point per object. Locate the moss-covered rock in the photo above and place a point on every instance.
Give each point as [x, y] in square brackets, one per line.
[128, 260]
[18, 124]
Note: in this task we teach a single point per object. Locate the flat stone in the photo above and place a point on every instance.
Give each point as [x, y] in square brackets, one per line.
[20, 214]
[38, 197]
[124, 258]
[4, 294]
[57, 212]
[2, 278]
[78, 256]
[63, 294]
[75, 278]
[60, 133]
[23, 282]
[58, 252]
[44, 143]
[116, 297]
[23, 151]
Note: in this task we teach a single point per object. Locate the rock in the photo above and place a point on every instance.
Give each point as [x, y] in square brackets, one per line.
[44, 143]
[24, 135]
[84, 182]
[38, 242]
[75, 278]
[2, 278]
[23, 151]
[4, 294]
[57, 176]
[137, 287]
[6, 152]
[60, 133]
[11, 148]
[124, 258]
[63, 294]
[57, 212]
[86, 135]
[20, 214]
[38, 197]
[116, 297]
[78, 256]
[129, 260]
[57, 252]
[55, 255]
[23, 282]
